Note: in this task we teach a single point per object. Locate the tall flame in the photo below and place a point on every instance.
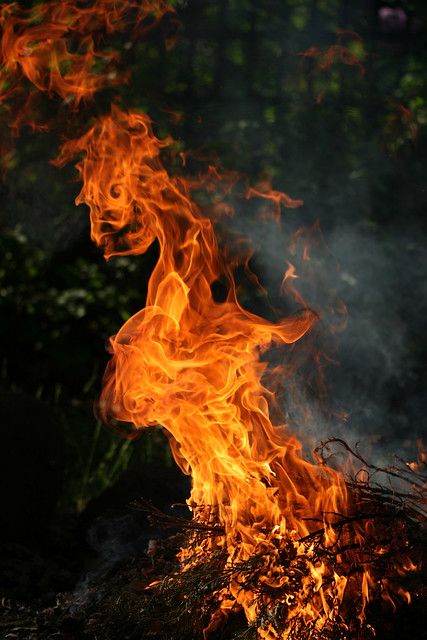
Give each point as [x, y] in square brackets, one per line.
[191, 363]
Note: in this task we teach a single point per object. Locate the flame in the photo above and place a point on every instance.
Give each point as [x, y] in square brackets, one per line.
[193, 365]
[348, 50]
[59, 50]
[276, 199]
[37, 44]
[340, 51]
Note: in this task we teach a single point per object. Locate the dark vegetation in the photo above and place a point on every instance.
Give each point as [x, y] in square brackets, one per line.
[349, 137]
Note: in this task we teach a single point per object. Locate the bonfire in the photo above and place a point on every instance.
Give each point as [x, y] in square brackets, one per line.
[291, 547]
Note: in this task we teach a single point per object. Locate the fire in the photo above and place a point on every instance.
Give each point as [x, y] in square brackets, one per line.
[194, 364]
[58, 49]
[340, 51]
[37, 44]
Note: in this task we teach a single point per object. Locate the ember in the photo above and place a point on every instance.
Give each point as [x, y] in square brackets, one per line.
[286, 541]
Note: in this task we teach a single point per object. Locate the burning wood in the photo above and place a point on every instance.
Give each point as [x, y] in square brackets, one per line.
[285, 541]
[385, 562]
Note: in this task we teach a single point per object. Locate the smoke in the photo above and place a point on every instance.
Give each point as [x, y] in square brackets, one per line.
[378, 379]
[113, 540]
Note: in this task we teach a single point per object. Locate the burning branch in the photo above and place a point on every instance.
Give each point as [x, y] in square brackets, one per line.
[392, 523]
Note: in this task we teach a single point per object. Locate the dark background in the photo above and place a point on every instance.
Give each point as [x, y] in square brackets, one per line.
[350, 140]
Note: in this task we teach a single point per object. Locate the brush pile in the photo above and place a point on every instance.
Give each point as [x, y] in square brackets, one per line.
[155, 596]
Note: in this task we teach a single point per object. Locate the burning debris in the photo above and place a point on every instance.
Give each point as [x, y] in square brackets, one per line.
[282, 543]
[392, 522]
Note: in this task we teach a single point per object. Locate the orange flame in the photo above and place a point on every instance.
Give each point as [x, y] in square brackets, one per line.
[193, 364]
[37, 43]
[54, 49]
[339, 51]
[324, 58]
